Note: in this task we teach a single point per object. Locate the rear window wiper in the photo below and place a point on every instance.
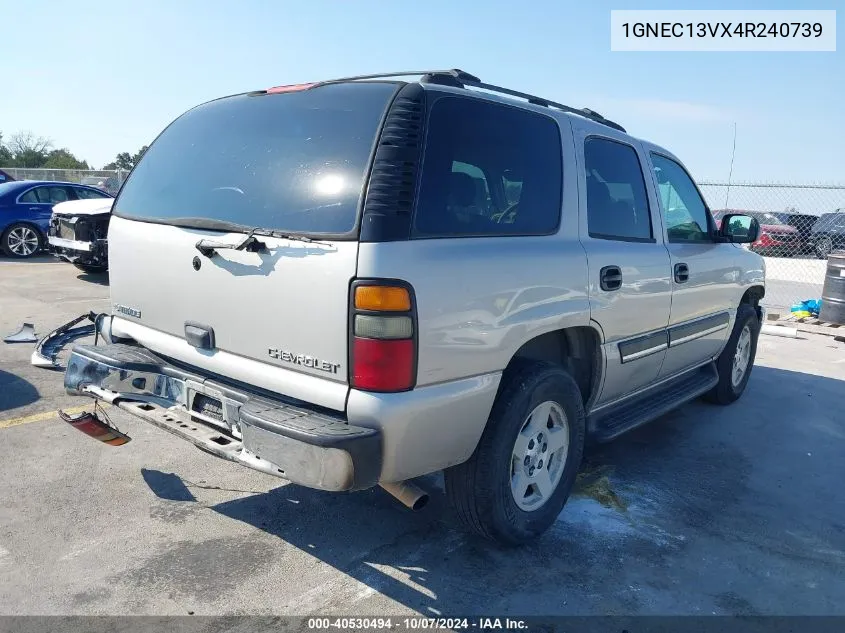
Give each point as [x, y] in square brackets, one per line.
[286, 236]
[250, 243]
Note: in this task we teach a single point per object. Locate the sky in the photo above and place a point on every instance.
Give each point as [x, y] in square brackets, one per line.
[102, 78]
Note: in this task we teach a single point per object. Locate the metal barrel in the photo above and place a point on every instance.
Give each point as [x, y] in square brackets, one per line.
[833, 293]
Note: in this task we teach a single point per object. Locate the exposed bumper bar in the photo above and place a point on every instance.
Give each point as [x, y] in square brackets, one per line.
[284, 439]
[74, 245]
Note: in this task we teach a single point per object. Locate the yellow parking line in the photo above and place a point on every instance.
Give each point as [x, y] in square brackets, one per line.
[40, 417]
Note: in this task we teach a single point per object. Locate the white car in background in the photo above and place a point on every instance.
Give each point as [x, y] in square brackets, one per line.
[78, 231]
[109, 184]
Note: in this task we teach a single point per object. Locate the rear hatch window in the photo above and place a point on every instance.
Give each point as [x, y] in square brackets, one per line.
[293, 162]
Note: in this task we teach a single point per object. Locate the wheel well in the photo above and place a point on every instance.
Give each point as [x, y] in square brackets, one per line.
[576, 349]
[752, 297]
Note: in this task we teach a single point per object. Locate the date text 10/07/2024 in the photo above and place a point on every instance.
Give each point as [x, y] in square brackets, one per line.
[417, 623]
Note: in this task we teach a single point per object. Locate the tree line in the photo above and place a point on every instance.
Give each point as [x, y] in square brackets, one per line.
[28, 150]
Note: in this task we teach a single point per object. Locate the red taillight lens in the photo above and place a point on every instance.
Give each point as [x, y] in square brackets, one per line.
[94, 427]
[764, 239]
[382, 365]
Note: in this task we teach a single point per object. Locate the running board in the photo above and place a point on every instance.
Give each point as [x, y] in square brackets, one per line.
[608, 424]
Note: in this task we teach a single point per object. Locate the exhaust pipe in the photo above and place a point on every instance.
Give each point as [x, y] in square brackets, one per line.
[410, 495]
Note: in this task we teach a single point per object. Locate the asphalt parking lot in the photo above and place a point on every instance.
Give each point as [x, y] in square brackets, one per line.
[737, 510]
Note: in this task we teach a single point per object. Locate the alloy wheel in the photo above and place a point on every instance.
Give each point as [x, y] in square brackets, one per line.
[22, 241]
[539, 456]
[742, 356]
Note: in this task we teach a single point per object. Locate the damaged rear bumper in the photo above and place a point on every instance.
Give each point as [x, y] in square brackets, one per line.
[284, 439]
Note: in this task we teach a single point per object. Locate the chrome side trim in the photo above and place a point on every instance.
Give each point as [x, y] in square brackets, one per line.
[691, 330]
[643, 345]
[644, 353]
[692, 337]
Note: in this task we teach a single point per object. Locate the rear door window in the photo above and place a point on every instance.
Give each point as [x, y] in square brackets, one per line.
[88, 194]
[30, 197]
[489, 169]
[617, 203]
[293, 162]
[47, 195]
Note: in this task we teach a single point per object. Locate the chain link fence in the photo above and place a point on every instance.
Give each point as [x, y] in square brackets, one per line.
[106, 179]
[800, 225]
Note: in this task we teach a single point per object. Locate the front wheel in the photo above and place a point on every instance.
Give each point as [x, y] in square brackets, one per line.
[518, 479]
[21, 241]
[737, 359]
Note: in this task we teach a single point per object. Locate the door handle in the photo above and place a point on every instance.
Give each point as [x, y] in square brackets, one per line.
[681, 273]
[610, 278]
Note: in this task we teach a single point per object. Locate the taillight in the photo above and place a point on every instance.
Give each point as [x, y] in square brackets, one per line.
[764, 239]
[383, 345]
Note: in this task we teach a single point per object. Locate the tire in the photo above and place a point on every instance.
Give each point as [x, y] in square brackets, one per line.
[480, 489]
[824, 247]
[91, 268]
[729, 389]
[22, 240]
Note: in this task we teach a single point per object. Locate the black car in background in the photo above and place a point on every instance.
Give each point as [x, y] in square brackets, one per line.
[828, 234]
[802, 222]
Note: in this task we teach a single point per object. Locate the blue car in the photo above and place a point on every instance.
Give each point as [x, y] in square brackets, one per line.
[25, 210]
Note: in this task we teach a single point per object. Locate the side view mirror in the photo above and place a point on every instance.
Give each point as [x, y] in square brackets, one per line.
[739, 229]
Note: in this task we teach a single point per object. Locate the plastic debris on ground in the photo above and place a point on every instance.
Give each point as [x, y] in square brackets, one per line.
[24, 335]
[806, 309]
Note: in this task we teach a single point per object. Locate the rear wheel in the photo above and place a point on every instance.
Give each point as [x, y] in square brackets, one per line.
[21, 241]
[737, 359]
[518, 479]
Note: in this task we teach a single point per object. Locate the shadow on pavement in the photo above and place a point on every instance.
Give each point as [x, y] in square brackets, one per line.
[99, 278]
[167, 485]
[42, 258]
[694, 512]
[15, 391]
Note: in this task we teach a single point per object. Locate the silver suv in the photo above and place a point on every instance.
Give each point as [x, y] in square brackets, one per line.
[360, 281]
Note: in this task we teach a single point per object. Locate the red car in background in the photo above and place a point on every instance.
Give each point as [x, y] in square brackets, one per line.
[776, 237]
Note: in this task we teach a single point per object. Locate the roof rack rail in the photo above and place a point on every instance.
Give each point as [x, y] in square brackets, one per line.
[458, 78]
[540, 101]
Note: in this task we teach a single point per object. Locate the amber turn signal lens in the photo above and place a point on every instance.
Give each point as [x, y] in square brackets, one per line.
[385, 298]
